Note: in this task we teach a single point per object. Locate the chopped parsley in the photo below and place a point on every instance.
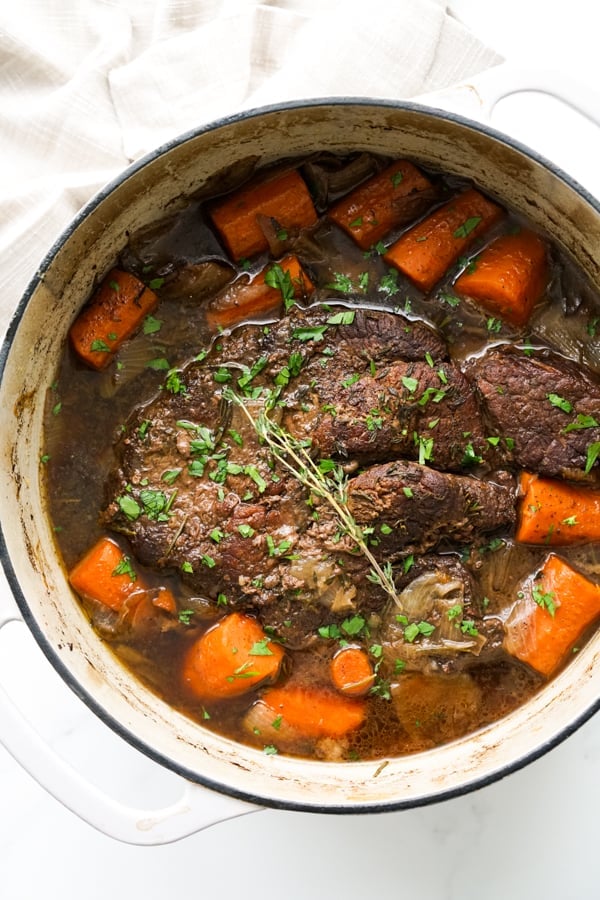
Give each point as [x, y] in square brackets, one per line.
[467, 227]
[151, 325]
[411, 384]
[185, 616]
[425, 445]
[156, 504]
[580, 422]
[450, 299]
[281, 280]
[245, 379]
[125, 567]
[99, 346]
[129, 507]
[342, 283]
[174, 384]
[414, 629]
[593, 451]
[309, 333]
[342, 318]
[388, 284]
[222, 375]
[560, 402]
[544, 599]
[159, 364]
[261, 648]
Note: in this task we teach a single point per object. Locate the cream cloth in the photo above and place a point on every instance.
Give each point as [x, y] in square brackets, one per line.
[87, 86]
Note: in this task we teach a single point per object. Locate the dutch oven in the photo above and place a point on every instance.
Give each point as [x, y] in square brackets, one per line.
[242, 777]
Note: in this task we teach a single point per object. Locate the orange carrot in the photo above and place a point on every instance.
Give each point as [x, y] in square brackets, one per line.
[385, 201]
[508, 277]
[351, 672]
[427, 250]
[283, 198]
[115, 312]
[231, 658]
[105, 575]
[315, 713]
[552, 613]
[554, 513]
[276, 285]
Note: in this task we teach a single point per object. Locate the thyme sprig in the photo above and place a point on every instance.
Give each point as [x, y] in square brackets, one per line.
[294, 455]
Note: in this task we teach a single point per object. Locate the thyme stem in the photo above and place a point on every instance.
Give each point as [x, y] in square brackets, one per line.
[293, 455]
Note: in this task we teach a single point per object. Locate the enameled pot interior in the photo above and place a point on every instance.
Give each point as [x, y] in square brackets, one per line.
[150, 190]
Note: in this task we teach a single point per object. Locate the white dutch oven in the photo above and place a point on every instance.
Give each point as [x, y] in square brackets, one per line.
[243, 778]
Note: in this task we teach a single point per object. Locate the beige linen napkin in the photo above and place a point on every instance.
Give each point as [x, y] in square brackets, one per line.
[88, 86]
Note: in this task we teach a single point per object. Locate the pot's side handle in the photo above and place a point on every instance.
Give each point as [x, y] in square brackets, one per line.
[196, 809]
[478, 97]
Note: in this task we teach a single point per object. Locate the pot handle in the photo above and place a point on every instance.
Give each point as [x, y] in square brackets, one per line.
[196, 809]
[478, 97]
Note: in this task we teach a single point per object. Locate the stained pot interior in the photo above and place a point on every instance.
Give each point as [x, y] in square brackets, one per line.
[155, 187]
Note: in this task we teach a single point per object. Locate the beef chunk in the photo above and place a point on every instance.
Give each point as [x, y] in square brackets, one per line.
[378, 387]
[422, 507]
[546, 404]
[191, 497]
[316, 331]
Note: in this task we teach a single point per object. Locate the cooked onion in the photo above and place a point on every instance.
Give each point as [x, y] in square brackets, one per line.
[419, 598]
[519, 626]
[429, 598]
[258, 724]
[134, 357]
[434, 705]
[323, 576]
[564, 334]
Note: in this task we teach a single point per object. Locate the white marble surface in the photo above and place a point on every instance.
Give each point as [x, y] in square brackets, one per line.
[531, 835]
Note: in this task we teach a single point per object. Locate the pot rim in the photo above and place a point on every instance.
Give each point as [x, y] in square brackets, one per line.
[69, 678]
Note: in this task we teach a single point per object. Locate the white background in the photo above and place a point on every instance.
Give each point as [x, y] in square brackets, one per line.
[532, 835]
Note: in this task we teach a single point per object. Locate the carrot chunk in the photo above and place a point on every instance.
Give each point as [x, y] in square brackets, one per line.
[385, 201]
[508, 277]
[551, 615]
[277, 285]
[315, 713]
[554, 513]
[284, 198]
[105, 575]
[426, 251]
[115, 312]
[231, 658]
[351, 672]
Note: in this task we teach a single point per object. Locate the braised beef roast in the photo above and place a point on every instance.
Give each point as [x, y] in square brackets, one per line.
[238, 523]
